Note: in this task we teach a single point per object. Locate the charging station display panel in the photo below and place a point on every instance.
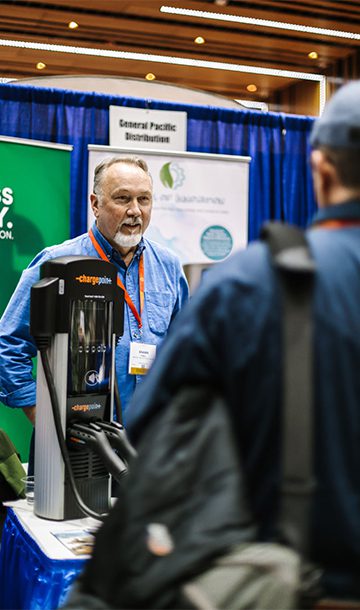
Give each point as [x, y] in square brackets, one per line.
[90, 345]
[200, 206]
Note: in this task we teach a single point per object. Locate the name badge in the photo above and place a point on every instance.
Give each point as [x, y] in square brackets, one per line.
[141, 358]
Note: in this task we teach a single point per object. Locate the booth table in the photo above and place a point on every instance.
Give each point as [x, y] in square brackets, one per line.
[36, 569]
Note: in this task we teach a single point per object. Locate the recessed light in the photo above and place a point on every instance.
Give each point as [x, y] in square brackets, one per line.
[73, 25]
[150, 76]
[199, 40]
[252, 88]
[313, 55]
[40, 65]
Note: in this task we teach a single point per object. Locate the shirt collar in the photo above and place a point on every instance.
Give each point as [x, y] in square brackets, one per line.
[342, 211]
[111, 252]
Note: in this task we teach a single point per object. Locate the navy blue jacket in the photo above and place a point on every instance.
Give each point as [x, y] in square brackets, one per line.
[228, 336]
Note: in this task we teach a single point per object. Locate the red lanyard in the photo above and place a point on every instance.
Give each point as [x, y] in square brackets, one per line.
[128, 300]
[337, 224]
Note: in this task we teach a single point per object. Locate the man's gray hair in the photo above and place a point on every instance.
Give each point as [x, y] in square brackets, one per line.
[101, 168]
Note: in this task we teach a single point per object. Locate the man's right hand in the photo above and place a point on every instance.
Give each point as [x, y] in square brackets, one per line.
[30, 413]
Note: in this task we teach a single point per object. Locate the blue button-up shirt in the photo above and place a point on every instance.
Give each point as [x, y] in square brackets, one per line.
[166, 291]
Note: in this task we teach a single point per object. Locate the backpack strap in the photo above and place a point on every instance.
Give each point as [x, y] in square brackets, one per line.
[295, 266]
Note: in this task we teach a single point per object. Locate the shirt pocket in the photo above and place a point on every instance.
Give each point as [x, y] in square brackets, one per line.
[159, 306]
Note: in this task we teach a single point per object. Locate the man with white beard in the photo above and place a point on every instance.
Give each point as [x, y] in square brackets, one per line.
[151, 276]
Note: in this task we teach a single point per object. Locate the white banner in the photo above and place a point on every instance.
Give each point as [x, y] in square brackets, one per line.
[136, 128]
[200, 208]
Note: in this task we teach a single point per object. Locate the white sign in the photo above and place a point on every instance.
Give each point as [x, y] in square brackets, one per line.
[200, 208]
[136, 128]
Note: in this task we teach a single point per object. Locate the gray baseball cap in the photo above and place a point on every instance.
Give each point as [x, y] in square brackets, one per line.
[339, 125]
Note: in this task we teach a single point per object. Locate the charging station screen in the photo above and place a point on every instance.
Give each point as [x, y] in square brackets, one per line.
[90, 347]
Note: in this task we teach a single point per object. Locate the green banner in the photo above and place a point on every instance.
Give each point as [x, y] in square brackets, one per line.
[34, 213]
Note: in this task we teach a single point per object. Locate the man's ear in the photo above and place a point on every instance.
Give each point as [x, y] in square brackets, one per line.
[324, 177]
[94, 201]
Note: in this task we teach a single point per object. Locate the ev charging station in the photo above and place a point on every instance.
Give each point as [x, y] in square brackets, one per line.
[76, 318]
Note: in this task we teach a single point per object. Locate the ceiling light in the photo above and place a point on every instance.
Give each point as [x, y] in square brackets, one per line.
[251, 88]
[73, 25]
[150, 76]
[313, 55]
[199, 40]
[267, 23]
[40, 65]
[163, 59]
[253, 104]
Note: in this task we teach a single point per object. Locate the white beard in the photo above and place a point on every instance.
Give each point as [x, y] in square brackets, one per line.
[127, 241]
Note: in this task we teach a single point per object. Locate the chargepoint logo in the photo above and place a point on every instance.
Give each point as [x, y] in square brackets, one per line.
[86, 408]
[172, 175]
[94, 280]
[6, 200]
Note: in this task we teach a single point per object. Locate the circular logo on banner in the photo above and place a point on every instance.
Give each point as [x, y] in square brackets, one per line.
[216, 242]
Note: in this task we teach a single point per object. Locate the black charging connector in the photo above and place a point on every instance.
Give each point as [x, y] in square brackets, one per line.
[117, 437]
[90, 435]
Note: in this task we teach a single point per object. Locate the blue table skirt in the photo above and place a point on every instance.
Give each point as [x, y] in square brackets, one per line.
[29, 580]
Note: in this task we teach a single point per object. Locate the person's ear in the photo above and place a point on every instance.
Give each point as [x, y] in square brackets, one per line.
[94, 201]
[324, 177]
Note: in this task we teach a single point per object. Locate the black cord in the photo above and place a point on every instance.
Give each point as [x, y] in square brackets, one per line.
[86, 510]
[117, 399]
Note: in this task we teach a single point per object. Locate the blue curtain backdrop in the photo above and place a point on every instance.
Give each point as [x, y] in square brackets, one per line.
[280, 181]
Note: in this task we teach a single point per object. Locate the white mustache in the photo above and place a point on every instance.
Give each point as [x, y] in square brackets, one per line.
[130, 223]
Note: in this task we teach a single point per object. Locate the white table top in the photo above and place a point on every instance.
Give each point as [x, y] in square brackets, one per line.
[43, 530]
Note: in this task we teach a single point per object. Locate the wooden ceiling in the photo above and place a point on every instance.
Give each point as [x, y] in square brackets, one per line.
[138, 26]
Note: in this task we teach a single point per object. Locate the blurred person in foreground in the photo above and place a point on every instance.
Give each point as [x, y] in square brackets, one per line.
[229, 337]
[152, 276]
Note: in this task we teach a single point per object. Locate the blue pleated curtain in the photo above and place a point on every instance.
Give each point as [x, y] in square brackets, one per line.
[280, 181]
